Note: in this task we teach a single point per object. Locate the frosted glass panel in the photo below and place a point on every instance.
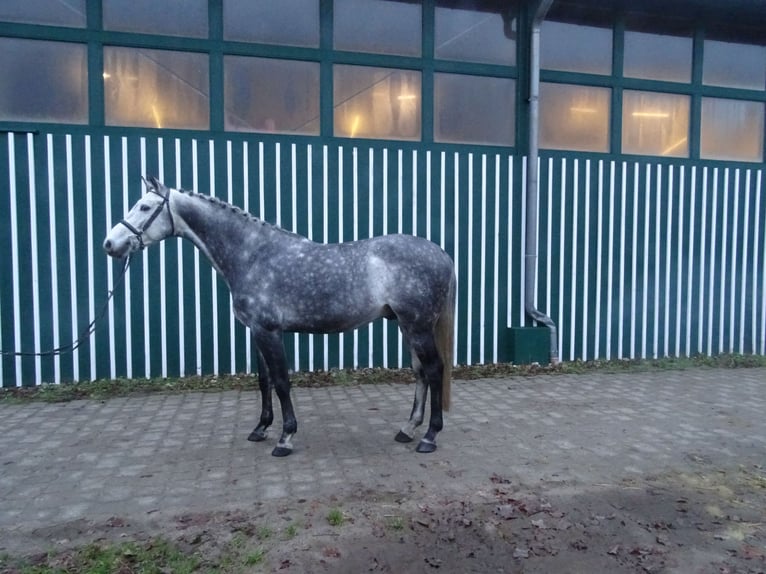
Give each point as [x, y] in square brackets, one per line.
[290, 22]
[658, 57]
[471, 109]
[43, 81]
[168, 17]
[734, 65]
[655, 124]
[732, 129]
[575, 48]
[378, 26]
[472, 35]
[156, 88]
[376, 103]
[53, 12]
[268, 95]
[574, 117]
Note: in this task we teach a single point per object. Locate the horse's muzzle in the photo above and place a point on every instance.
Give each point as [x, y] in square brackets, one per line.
[118, 249]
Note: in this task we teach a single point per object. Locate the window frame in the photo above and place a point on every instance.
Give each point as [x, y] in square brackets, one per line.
[95, 37]
[216, 46]
[695, 89]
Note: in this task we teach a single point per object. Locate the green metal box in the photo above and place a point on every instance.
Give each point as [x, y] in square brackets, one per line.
[529, 345]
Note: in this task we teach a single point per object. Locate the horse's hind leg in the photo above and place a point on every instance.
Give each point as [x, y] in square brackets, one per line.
[424, 347]
[419, 405]
[267, 411]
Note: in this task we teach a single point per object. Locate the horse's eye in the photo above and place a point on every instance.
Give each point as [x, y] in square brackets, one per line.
[145, 208]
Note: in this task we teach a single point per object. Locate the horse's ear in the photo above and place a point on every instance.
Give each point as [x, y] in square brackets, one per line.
[150, 182]
[156, 184]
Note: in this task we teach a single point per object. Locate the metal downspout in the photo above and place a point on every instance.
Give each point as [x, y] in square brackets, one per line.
[530, 257]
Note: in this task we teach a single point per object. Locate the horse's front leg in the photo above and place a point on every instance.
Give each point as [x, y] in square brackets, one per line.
[267, 411]
[272, 353]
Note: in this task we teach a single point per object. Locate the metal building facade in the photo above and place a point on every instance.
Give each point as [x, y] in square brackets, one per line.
[639, 256]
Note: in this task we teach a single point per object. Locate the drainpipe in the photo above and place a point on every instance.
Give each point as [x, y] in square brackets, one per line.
[530, 257]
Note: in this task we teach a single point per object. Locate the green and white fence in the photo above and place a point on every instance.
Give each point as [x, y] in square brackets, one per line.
[642, 258]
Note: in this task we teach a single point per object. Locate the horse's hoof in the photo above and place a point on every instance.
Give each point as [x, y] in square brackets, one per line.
[401, 437]
[426, 446]
[281, 451]
[257, 435]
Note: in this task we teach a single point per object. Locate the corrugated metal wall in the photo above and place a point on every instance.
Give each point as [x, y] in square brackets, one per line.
[646, 259]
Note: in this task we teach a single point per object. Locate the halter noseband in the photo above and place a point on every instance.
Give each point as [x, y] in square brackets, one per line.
[138, 233]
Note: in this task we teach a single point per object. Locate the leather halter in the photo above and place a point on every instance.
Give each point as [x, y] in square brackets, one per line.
[138, 233]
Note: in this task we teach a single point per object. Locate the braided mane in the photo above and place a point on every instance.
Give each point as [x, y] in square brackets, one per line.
[223, 205]
[236, 210]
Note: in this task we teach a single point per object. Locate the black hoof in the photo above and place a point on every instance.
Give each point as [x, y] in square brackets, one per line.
[257, 435]
[401, 437]
[281, 451]
[426, 446]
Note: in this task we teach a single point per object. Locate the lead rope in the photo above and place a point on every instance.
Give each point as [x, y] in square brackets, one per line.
[86, 333]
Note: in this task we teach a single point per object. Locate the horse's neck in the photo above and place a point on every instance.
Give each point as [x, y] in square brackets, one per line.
[226, 236]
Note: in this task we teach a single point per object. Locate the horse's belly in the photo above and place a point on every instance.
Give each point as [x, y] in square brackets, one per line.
[330, 322]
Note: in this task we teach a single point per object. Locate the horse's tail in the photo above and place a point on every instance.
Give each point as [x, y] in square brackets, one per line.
[445, 340]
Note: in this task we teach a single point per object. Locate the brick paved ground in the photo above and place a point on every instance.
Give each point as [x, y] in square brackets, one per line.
[162, 455]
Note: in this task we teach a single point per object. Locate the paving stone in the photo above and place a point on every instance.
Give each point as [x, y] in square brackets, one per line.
[173, 454]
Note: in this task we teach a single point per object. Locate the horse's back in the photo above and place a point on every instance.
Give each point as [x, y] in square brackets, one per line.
[410, 274]
[409, 249]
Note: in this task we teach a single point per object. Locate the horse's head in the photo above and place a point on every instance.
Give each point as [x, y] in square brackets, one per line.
[149, 220]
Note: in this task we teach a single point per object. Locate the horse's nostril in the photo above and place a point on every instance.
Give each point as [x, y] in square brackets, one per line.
[107, 245]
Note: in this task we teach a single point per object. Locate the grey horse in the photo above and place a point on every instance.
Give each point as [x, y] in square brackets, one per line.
[283, 282]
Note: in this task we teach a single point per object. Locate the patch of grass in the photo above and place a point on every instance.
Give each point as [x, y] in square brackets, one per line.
[100, 390]
[264, 533]
[156, 556]
[153, 556]
[254, 558]
[291, 531]
[336, 517]
[395, 523]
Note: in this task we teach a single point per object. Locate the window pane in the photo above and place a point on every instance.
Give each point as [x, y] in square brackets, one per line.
[575, 48]
[658, 57]
[732, 129]
[156, 88]
[376, 103]
[655, 124]
[378, 26]
[52, 12]
[43, 81]
[290, 22]
[471, 109]
[475, 35]
[734, 65]
[267, 95]
[574, 117]
[170, 17]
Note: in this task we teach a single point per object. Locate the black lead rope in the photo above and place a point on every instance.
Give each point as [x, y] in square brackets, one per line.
[86, 333]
